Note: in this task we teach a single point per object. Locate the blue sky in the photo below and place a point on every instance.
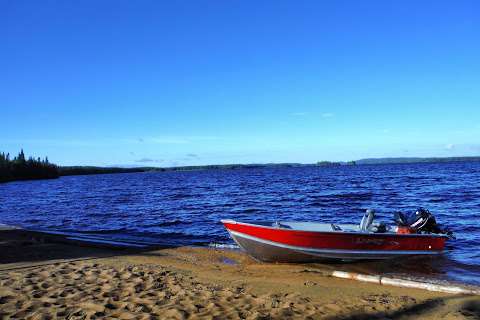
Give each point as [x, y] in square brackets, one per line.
[201, 82]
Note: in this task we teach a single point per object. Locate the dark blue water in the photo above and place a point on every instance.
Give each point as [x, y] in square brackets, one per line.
[186, 207]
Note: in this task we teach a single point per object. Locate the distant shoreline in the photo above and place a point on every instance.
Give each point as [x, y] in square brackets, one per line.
[93, 170]
[400, 160]
[86, 170]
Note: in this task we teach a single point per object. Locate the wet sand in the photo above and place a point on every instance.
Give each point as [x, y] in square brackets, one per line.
[63, 281]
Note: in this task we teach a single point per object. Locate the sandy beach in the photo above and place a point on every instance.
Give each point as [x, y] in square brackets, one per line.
[44, 280]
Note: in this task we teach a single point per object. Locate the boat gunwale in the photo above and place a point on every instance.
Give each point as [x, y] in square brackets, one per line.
[386, 234]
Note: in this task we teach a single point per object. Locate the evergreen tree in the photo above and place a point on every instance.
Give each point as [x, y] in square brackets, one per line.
[21, 157]
[21, 169]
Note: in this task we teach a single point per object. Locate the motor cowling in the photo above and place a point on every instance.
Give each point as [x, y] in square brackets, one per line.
[420, 221]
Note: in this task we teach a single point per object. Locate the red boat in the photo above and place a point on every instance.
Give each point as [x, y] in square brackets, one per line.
[309, 241]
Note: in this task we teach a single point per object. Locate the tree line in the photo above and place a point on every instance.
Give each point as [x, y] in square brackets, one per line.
[20, 168]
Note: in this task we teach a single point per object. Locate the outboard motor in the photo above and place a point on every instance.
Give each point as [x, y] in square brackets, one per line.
[422, 221]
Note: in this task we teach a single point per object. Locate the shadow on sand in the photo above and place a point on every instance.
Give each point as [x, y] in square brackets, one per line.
[469, 309]
[22, 248]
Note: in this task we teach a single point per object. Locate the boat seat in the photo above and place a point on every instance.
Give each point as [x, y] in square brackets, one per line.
[367, 220]
[278, 224]
[336, 227]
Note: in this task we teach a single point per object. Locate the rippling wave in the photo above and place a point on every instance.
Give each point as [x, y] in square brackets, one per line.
[186, 207]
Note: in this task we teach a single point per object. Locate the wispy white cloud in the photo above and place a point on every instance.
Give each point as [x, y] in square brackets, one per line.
[450, 146]
[475, 147]
[149, 160]
[192, 155]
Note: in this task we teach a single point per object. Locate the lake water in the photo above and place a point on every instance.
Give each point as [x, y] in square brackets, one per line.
[185, 208]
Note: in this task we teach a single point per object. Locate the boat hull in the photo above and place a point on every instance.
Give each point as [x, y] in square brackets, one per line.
[282, 245]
